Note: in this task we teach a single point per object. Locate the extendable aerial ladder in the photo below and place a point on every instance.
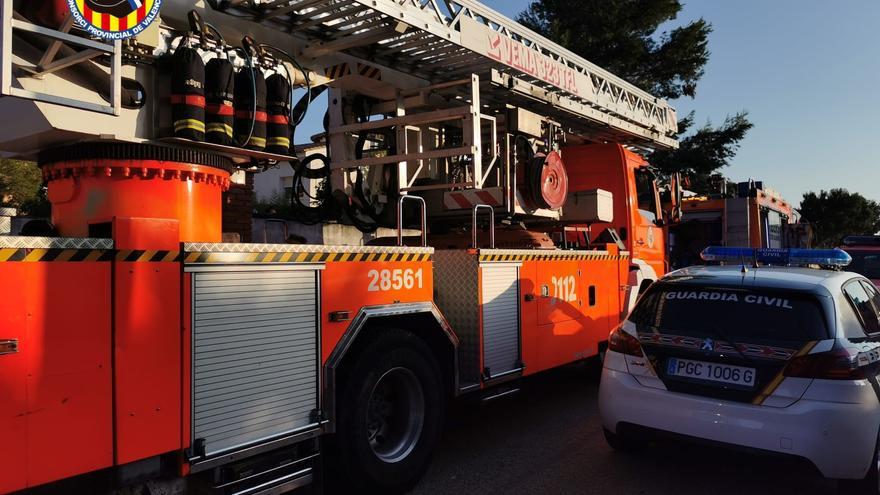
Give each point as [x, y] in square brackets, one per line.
[415, 43]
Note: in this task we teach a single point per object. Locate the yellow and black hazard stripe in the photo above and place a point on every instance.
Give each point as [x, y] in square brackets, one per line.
[33, 255]
[336, 71]
[370, 71]
[551, 257]
[771, 387]
[142, 256]
[288, 257]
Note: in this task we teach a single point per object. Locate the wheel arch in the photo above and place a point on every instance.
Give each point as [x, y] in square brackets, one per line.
[423, 320]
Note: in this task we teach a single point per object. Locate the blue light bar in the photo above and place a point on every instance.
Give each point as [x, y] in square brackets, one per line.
[781, 257]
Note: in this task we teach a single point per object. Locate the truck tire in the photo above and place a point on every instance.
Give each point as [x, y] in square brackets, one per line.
[390, 414]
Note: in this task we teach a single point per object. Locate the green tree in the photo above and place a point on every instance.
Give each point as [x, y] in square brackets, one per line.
[622, 36]
[702, 153]
[21, 186]
[837, 213]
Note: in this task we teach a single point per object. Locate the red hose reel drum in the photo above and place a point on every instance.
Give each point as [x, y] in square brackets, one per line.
[546, 181]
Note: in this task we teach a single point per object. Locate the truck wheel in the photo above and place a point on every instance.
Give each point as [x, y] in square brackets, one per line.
[390, 414]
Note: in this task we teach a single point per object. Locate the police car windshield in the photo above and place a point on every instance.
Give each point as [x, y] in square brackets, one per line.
[865, 263]
[743, 315]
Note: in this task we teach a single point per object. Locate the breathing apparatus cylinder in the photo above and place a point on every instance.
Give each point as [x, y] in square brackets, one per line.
[250, 108]
[220, 94]
[188, 83]
[188, 93]
[250, 100]
[278, 98]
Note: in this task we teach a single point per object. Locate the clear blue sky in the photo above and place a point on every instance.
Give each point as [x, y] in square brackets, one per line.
[808, 73]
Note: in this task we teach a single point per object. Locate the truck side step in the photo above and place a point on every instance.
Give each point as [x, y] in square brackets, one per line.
[281, 485]
[498, 393]
[273, 473]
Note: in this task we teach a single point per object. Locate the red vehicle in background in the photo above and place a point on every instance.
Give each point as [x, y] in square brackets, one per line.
[865, 252]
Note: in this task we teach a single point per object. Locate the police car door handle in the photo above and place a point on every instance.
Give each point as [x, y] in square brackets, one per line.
[8, 346]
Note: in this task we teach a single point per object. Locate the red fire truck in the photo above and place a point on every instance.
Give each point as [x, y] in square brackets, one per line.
[140, 349]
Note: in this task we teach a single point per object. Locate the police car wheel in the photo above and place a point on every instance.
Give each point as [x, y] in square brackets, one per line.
[623, 442]
[390, 414]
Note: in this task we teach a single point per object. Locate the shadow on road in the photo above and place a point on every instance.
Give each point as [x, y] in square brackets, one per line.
[548, 439]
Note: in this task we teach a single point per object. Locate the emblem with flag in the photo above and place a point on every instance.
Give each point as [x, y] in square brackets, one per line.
[115, 18]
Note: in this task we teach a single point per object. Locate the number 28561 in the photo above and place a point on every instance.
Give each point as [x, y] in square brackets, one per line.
[397, 279]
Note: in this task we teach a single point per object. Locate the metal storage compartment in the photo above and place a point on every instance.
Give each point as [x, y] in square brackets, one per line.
[478, 292]
[591, 206]
[500, 314]
[255, 354]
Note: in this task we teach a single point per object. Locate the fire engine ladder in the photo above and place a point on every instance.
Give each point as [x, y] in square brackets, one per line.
[447, 40]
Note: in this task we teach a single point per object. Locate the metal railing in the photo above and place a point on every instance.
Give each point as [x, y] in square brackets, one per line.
[491, 226]
[11, 23]
[424, 212]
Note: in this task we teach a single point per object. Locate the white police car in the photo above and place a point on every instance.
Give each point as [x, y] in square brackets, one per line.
[777, 359]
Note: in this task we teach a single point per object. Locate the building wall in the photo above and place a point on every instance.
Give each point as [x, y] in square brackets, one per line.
[238, 207]
[273, 181]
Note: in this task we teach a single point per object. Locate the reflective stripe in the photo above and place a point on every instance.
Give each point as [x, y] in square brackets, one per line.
[191, 100]
[189, 124]
[221, 128]
[279, 141]
[256, 141]
[222, 110]
[259, 116]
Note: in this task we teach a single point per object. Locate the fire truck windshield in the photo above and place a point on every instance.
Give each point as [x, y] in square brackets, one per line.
[646, 191]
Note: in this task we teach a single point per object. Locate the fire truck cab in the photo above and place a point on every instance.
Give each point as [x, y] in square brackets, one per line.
[756, 217]
[865, 252]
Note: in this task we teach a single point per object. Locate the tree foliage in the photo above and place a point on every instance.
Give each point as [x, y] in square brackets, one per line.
[21, 186]
[621, 36]
[705, 151]
[837, 213]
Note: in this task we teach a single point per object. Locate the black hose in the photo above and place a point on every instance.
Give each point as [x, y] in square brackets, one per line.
[250, 67]
[307, 214]
[361, 106]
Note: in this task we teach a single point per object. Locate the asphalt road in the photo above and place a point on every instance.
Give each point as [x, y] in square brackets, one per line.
[548, 439]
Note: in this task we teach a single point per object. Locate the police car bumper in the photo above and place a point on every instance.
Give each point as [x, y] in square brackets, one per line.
[838, 438]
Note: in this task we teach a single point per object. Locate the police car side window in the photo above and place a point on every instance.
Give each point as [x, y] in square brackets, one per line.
[873, 294]
[863, 305]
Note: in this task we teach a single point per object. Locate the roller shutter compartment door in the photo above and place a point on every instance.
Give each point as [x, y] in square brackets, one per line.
[500, 312]
[255, 356]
